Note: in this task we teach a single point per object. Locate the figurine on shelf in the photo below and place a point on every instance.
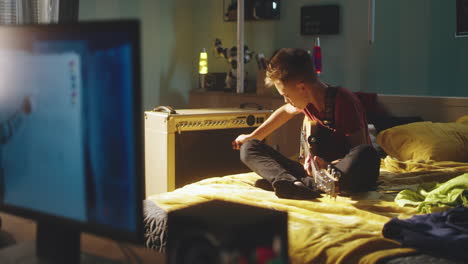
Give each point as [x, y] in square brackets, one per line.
[231, 56]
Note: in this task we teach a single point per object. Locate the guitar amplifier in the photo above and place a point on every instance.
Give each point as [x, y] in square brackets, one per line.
[187, 145]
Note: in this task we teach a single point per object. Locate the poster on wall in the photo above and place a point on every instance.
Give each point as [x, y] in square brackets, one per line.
[462, 18]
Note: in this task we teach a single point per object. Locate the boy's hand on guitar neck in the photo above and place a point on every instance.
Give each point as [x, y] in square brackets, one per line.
[321, 163]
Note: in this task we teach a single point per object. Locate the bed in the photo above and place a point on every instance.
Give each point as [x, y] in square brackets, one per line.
[345, 229]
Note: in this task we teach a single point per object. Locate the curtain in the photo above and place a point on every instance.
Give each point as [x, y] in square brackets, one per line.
[38, 11]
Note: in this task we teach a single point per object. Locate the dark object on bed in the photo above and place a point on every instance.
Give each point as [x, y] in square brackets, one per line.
[379, 116]
[210, 230]
[155, 223]
[420, 259]
[443, 234]
[373, 108]
[385, 122]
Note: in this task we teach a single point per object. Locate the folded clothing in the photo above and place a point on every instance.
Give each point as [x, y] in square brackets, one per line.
[443, 234]
[450, 193]
[374, 109]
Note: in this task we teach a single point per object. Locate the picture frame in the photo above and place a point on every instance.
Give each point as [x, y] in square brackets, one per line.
[254, 10]
[462, 18]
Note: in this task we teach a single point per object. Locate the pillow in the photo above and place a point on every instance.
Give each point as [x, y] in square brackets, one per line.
[462, 120]
[385, 122]
[426, 141]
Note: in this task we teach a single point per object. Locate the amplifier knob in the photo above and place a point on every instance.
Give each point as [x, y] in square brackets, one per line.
[250, 120]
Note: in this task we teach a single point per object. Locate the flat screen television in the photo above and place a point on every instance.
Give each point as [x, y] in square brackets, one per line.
[71, 137]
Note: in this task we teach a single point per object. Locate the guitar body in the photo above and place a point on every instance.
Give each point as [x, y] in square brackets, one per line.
[320, 141]
[309, 128]
[327, 180]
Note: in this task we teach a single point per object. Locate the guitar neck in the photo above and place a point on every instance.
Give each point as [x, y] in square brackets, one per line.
[305, 147]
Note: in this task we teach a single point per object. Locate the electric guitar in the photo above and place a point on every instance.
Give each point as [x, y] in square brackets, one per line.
[326, 180]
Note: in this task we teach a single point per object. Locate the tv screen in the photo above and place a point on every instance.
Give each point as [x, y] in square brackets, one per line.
[70, 126]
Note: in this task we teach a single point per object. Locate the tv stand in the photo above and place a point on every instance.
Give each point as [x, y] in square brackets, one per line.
[25, 253]
[55, 244]
[58, 242]
[92, 247]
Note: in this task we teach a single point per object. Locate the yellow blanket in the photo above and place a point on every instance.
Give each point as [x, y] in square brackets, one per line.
[394, 165]
[345, 230]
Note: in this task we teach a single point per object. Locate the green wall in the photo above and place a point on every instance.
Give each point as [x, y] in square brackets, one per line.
[415, 51]
[166, 73]
[345, 56]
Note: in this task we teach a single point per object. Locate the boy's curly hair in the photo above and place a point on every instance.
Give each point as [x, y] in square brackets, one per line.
[289, 65]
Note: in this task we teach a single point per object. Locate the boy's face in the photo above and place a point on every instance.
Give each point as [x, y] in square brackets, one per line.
[293, 93]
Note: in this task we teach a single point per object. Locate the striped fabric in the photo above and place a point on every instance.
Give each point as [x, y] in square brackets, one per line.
[29, 11]
[8, 12]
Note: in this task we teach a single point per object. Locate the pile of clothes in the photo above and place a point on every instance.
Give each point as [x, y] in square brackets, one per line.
[440, 233]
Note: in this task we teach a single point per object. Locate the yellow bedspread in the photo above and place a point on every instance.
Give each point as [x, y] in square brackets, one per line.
[394, 165]
[345, 230]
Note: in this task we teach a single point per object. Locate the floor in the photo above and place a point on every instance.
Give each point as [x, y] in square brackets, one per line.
[18, 229]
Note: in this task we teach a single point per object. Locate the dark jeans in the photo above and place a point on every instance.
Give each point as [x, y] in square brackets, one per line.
[359, 168]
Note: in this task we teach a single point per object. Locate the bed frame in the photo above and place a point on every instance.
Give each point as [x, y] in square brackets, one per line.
[430, 108]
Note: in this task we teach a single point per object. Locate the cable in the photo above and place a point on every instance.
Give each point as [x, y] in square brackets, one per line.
[135, 255]
[128, 257]
[130, 254]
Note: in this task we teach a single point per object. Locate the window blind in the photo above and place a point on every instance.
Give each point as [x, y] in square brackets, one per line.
[38, 11]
